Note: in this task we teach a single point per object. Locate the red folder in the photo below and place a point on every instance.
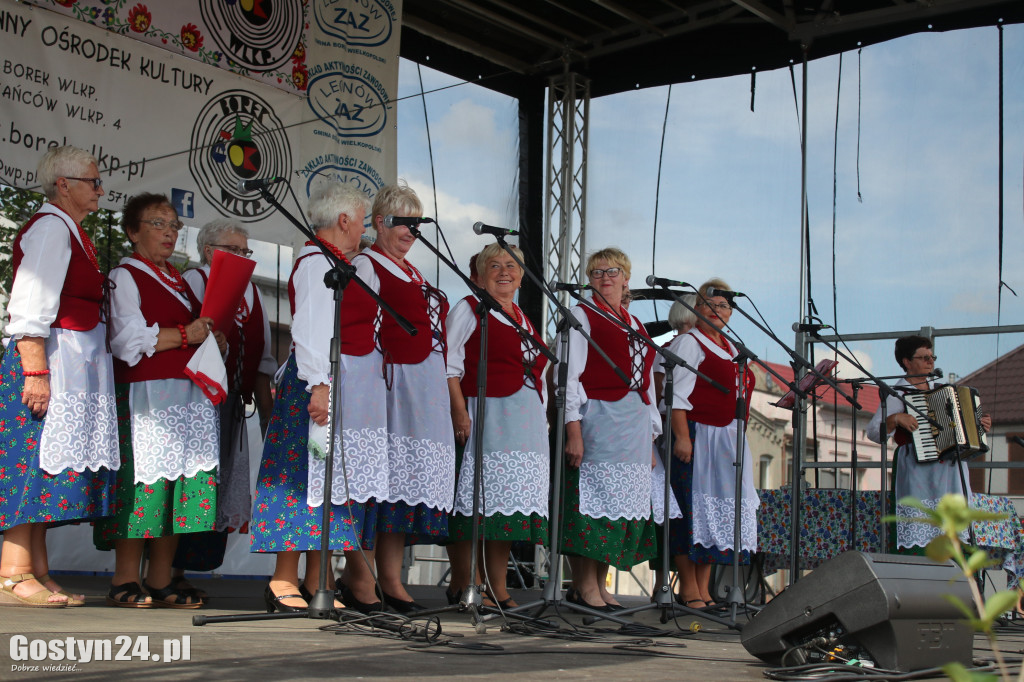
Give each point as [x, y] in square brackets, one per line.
[229, 278]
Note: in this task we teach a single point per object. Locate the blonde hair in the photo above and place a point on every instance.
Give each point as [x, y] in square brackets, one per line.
[713, 283]
[615, 256]
[493, 251]
[397, 199]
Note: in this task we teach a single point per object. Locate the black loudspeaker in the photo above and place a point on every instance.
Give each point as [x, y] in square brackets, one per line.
[886, 608]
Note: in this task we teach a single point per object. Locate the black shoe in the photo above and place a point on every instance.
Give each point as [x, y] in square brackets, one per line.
[308, 596]
[614, 607]
[575, 597]
[350, 601]
[452, 597]
[274, 602]
[400, 605]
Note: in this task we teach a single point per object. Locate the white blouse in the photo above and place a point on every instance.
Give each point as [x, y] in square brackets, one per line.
[35, 295]
[130, 336]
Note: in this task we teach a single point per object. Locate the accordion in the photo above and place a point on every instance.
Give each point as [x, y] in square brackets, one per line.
[957, 410]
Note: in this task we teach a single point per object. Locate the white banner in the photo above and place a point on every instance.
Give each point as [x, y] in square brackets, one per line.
[158, 121]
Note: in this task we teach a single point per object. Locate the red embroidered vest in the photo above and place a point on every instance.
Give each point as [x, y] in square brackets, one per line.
[598, 379]
[82, 293]
[411, 301]
[160, 307]
[711, 406]
[507, 369]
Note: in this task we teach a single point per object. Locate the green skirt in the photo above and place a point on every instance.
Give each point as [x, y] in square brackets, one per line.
[517, 527]
[622, 543]
[165, 507]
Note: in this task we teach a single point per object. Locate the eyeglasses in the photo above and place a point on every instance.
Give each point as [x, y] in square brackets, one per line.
[237, 250]
[161, 224]
[96, 182]
[926, 358]
[719, 307]
[611, 272]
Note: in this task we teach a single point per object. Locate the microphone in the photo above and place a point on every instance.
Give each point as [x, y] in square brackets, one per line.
[937, 373]
[567, 286]
[480, 228]
[809, 327]
[396, 220]
[711, 292]
[257, 183]
[653, 281]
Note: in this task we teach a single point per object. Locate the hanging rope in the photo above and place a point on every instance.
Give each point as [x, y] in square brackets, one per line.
[811, 308]
[433, 178]
[835, 157]
[753, 86]
[657, 191]
[859, 51]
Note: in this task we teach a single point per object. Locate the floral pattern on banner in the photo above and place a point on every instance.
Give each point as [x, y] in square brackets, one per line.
[825, 532]
[160, 24]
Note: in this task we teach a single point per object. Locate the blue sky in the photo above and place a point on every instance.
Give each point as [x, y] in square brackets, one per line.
[920, 249]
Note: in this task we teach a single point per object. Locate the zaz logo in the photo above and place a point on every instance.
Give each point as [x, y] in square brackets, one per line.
[365, 23]
[348, 103]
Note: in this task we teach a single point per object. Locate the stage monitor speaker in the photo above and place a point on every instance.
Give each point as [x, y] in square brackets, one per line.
[886, 608]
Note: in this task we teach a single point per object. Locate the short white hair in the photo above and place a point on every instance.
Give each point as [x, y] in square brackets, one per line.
[211, 232]
[332, 199]
[62, 162]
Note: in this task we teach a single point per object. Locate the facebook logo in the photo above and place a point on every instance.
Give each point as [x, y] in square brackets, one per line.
[184, 202]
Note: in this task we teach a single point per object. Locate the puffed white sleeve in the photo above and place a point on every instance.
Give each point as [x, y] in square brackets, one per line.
[683, 380]
[460, 325]
[35, 294]
[874, 429]
[575, 396]
[268, 363]
[130, 336]
[313, 321]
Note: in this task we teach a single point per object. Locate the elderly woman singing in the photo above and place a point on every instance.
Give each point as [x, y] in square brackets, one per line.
[421, 448]
[58, 425]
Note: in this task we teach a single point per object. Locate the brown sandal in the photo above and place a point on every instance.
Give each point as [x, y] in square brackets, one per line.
[73, 599]
[38, 599]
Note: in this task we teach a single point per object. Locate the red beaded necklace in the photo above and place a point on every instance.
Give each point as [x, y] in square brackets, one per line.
[90, 248]
[622, 314]
[330, 247]
[407, 267]
[171, 278]
[518, 314]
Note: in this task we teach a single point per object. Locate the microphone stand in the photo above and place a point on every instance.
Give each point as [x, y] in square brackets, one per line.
[798, 362]
[552, 594]
[471, 599]
[322, 604]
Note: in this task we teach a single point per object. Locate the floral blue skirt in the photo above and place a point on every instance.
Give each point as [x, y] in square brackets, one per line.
[27, 493]
[281, 519]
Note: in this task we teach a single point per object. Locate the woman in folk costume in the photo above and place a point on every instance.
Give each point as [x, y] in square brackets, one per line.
[704, 428]
[926, 481]
[516, 454]
[421, 449]
[250, 366]
[58, 424]
[288, 511]
[167, 483]
[609, 428]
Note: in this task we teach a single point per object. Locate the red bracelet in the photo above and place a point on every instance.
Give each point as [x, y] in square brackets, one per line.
[36, 373]
[184, 336]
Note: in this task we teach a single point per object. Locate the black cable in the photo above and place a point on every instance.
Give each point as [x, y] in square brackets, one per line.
[430, 153]
[657, 192]
[859, 51]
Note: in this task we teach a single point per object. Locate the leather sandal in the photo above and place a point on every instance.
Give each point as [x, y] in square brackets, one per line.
[182, 599]
[73, 599]
[38, 599]
[128, 596]
[181, 583]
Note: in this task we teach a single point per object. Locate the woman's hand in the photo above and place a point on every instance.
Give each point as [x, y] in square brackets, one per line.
[573, 444]
[198, 329]
[901, 419]
[461, 423]
[318, 403]
[682, 448]
[986, 422]
[36, 395]
[222, 341]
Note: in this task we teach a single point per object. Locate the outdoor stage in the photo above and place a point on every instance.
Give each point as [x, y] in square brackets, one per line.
[297, 649]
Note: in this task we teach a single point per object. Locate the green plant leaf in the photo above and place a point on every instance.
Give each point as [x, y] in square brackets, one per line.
[958, 673]
[977, 561]
[968, 611]
[1000, 602]
[940, 549]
